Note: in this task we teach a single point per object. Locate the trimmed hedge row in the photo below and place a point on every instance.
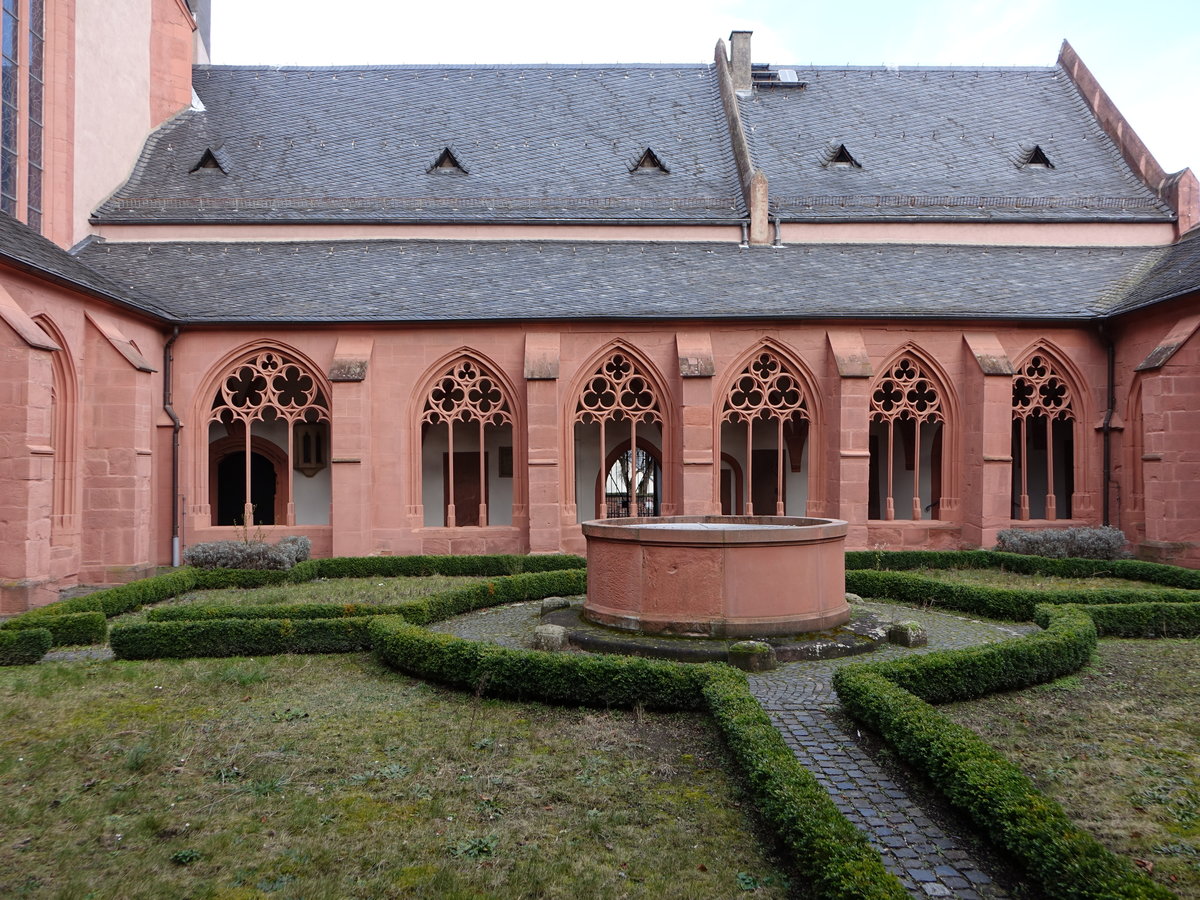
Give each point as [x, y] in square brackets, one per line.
[388, 566]
[1138, 620]
[508, 589]
[893, 699]
[67, 629]
[142, 642]
[833, 854]
[1131, 569]
[1016, 604]
[238, 637]
[946, 676]
[23, 647]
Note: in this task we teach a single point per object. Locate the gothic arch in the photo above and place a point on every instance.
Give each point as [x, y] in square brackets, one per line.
[64, 435]
[913, 414]
[461, 388]
[1049, 455]
[261, 385]
[770, 382]
[618, 385]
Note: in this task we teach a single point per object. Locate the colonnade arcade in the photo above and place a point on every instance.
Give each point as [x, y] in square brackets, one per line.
[269, 418]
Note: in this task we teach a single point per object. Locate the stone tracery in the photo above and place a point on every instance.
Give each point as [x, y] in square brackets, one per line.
[1041, 394]
[906, 396]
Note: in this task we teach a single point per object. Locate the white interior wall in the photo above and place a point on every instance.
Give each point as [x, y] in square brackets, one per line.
[466, 440]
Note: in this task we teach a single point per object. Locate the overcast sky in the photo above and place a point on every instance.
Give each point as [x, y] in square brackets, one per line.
[1145, 54]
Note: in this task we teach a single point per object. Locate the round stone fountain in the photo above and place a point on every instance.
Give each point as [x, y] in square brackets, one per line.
[717, 576]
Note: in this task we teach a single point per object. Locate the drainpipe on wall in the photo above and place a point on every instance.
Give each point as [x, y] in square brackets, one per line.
[168, 357]
[1110, 351]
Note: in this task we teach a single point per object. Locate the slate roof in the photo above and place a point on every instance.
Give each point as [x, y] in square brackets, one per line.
[538, 142]
[1167, 273]
[24, 248]
[943, 143]
[426, 281]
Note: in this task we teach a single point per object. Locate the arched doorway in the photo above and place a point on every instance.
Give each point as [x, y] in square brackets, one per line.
[227, 481]
[639, 477]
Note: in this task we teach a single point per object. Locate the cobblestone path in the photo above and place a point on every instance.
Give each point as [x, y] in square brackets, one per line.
[800, 700]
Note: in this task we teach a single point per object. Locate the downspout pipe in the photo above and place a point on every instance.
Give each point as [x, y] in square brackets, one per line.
[168, 376]
[1110, 351]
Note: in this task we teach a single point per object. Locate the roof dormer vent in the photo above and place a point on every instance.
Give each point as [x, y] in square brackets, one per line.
[648, 161]
[839, 157]
[447, 163]
[1036, 159]
[212, 161]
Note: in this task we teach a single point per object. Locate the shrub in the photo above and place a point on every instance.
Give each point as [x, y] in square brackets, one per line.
[1062, 859]
[238, 637]
[1105, 542]
[1015, 604]
[23, 647]
[296, 548]
[893, 700]
[386, 566]
[66, 629]
[833, 854]
[236, 555]
[1138, 620]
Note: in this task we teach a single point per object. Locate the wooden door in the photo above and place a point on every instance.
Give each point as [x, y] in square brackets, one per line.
[467, 494]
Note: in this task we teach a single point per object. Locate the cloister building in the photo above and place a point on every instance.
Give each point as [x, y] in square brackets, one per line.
[466, 308]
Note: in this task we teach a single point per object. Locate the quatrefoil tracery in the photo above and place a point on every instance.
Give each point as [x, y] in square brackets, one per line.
[618, 390]
[906, 394]
[467, 392]
[269, 382]
[1038, 390]
[765, 389]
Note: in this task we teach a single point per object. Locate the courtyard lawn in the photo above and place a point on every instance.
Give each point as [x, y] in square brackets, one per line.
[999, 578]
[331, 777]
[367, 591]
[1118, 745]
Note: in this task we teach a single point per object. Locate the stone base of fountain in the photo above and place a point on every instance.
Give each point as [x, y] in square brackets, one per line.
[717, 576]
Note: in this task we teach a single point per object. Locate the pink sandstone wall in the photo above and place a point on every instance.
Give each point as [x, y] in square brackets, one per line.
[1156, 454]
[379, 505]
[100, 457]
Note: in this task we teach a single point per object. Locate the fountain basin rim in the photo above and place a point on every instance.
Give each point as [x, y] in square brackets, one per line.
[717, 529]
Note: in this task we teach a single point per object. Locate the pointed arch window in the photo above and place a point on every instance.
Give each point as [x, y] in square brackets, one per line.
[907, 419]
[1043, 441]
[619, 395]
[465, 394]
[261, 402]
[767, 392]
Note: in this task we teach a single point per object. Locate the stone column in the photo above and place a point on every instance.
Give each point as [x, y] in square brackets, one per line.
[543, 450]
[700, 468]
[350, 447]
[846, 433]
[986, 404]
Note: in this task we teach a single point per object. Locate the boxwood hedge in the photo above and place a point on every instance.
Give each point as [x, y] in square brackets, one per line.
[238, 637]
[23, 647]
[893, 699]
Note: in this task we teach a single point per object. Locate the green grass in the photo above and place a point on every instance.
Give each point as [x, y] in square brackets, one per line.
[331, 777]
[999, 578]
[1118, 745]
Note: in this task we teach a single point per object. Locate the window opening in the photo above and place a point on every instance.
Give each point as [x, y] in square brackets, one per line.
[447, 162]
[630, 478]
[841, 157]
[768, 391]
[618, 393]
[211, 162]
[466, 392]
[649, 161]
[1043, 442]
[1037, 159]
[906, 429]
[9, 117]
[268, 387]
